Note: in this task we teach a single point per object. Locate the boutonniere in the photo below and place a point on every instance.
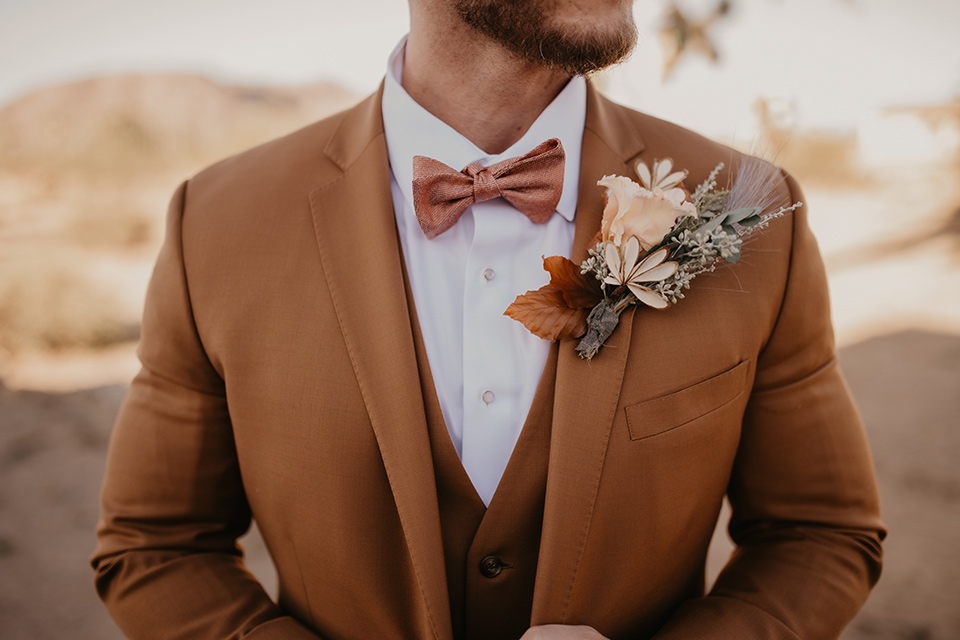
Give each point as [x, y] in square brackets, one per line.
[654, 239]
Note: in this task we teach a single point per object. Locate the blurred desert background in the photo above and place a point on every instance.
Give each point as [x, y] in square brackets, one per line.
[105, 106]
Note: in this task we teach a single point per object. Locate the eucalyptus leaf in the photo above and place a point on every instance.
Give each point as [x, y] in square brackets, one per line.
[740, 214]
[712, 203]
[750, 221]
[708, 227]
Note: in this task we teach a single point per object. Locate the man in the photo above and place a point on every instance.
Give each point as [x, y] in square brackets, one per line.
[317, 355]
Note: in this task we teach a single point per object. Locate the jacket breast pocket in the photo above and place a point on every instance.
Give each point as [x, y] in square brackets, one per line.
[666, 413]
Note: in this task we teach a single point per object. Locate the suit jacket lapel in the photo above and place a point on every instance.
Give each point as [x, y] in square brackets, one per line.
[359, 249]
[587, 392]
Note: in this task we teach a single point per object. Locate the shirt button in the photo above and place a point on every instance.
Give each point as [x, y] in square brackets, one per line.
[490, 567]
[489, 274]
[488, 396]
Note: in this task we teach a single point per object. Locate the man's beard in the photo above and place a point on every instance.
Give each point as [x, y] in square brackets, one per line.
[522, 27]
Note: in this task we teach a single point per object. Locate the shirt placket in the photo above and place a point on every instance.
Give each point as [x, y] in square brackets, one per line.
[490, 354]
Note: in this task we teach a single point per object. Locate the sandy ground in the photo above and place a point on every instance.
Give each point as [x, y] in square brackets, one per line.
[906, 383]
[897, 301]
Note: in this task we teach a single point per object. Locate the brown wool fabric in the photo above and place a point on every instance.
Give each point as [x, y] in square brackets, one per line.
[325, 437]
[532, 183]
[509, 529]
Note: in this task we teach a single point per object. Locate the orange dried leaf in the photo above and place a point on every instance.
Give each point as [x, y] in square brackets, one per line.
[546, 314]
[580, 291]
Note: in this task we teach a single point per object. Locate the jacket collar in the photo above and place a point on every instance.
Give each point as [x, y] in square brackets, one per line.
[359, 250]
[587, 392]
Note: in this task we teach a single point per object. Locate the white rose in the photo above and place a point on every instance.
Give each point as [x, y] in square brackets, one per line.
[634, 211]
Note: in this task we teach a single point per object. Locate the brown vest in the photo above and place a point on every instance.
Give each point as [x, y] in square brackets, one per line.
[490, 553]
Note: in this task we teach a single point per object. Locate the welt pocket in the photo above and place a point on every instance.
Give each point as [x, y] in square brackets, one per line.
[659, 415]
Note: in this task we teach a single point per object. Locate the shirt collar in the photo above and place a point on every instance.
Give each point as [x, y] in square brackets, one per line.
[411, 131]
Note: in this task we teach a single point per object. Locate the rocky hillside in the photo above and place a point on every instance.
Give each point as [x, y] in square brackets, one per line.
[128, 122]
[85, 172]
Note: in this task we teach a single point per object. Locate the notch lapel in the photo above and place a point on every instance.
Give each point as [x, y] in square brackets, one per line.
[356, 233]
[587, 392]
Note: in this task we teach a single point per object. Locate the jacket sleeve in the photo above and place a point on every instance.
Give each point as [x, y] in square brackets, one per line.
[172, 506]
[806, 516]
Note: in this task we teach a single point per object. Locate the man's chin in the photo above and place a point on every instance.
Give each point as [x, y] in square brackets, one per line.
[525, 29]
[585, 57]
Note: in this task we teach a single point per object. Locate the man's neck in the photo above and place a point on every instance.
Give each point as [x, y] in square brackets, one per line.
[486, 93]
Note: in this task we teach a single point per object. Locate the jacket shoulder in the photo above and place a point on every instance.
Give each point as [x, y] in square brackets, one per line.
[699, 156]
[688, 149]
[299, 161]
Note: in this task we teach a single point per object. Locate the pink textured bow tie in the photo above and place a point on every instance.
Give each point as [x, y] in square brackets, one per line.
[532, 183]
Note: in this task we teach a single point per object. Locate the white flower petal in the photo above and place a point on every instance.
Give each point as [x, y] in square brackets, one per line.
[630, 254]
[653, 260]
[657, 273]
[672, 180]
[643, 172]
[661, 169]
[619, 183]
[675, 196]
[612, 254]
[648, 297]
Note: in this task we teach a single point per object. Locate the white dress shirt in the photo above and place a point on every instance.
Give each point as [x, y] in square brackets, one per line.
[486, 367]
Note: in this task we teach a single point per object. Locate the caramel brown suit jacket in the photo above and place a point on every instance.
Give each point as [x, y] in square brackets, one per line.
[280, 381]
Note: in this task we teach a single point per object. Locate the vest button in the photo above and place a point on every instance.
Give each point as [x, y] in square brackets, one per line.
[491, 566]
